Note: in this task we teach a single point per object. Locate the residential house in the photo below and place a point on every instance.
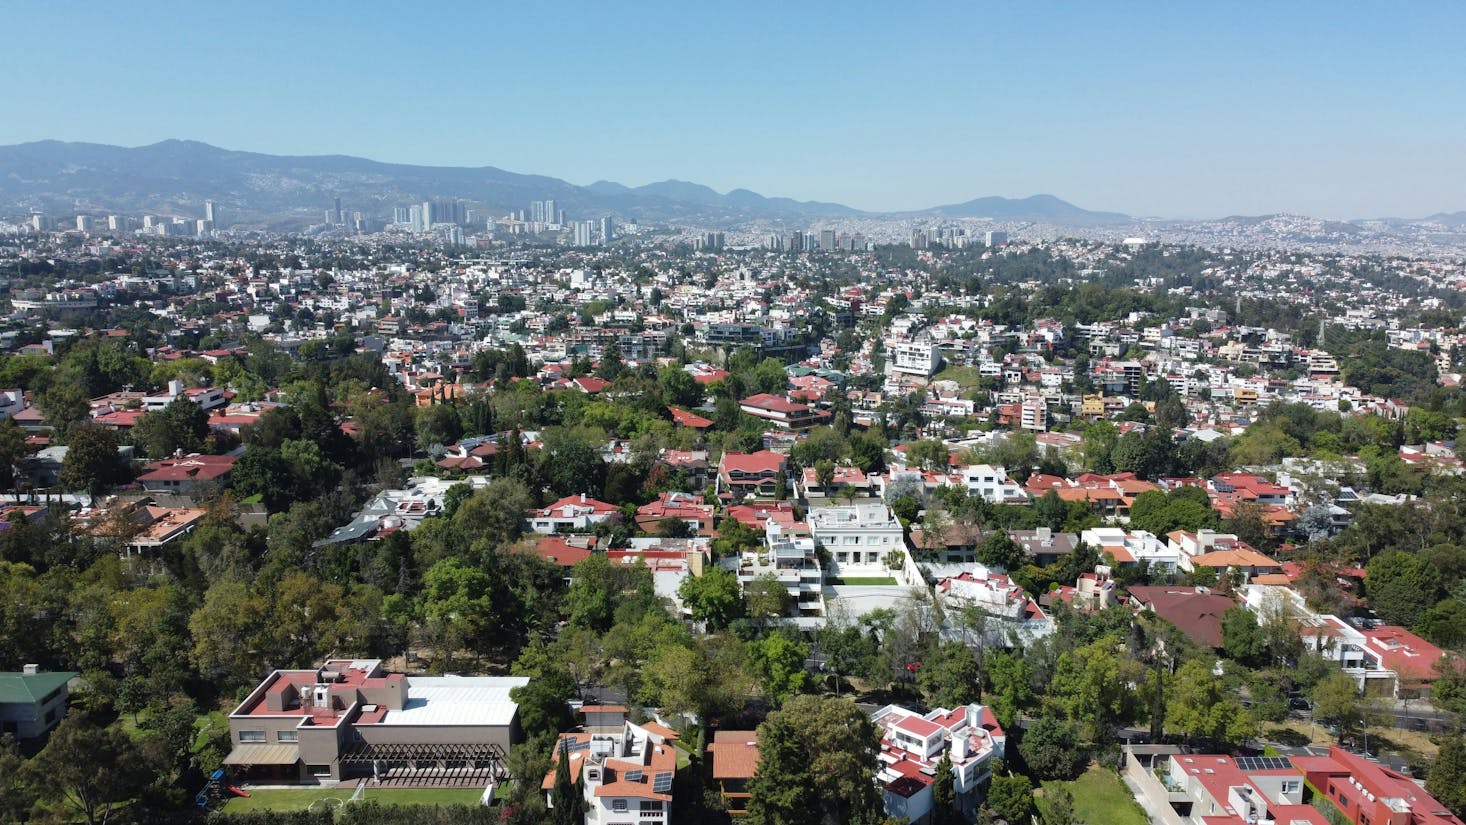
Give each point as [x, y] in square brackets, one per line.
[1043, 545]
[572, 513]
[624, 777]
[735, 760]
[1368, 793]
[32, 701]
[857, 535]
[782, 412]
[1196, 611]
[1131, 547]
[351, 718]
[1214, 789]
[188, 475]
[686, 507]
[751, 474]
[912, 746]
[1013, 614]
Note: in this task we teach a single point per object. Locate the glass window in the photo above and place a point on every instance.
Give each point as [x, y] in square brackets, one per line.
[287, 736]
[251, 736]
[319, 770]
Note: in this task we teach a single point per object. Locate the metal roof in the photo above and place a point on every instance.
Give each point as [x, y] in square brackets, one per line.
[263, 755]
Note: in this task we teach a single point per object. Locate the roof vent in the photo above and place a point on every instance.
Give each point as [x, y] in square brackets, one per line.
[31, 670]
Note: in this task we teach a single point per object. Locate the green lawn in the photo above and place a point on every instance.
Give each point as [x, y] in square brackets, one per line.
[866, 581]
[1100, 797]
[294, 799]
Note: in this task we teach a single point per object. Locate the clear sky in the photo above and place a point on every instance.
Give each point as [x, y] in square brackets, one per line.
[1183, 109]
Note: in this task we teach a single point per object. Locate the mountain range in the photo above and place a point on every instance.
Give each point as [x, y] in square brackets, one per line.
[177, 176]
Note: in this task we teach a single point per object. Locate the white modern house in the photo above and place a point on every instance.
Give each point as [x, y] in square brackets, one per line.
[912, 745]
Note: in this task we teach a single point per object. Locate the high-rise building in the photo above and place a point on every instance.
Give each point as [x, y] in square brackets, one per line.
[550, 215]
[83, 223]
[608, 233]
[340, 217]
[401, 214]
[795, 242]
[995, 238]
[775, 242]
[827, 240]
[537, 212]
[211, 213]
[415, 219]
[116, 223]
[204, 228]
[584, 232]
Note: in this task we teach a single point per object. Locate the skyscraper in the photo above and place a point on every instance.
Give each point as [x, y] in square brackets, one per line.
[607, 231]
[340, 216]
[550, 216]
[827, 240]
[211, 213]
[584, 232]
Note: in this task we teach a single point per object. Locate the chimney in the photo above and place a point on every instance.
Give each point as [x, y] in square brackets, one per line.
[582, 498]
[175, 388]
[31, 670]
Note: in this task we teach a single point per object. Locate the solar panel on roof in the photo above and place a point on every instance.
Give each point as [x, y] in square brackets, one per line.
[633, 776]
[662, 783]
[1264, 763]
[576, 746]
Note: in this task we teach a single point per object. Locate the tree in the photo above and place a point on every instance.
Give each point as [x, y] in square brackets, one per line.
[713, 598]
[949, 675]
[1010, 682]
[1401, 587]
[929, 454]
[779, 662]
[944, 796]
[998, 550]
[65, 405]
[1011, 798]
[815, 760]
[1242, 639]
[1050, 748]
[91, 769]
[91, 462]
[1199, 707]
[180, 426]
[264, 472]
[679, 389]
[1447, 778]
[767, 597]
[1336, 701]
[567, 805]
[15, 792]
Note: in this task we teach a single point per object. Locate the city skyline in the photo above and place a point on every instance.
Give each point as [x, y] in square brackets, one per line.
[1174, 113]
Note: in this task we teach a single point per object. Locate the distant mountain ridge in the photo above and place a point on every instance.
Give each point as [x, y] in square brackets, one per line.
[177, 176]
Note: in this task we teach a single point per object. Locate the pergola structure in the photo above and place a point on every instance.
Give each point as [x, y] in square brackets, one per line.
[460, 759]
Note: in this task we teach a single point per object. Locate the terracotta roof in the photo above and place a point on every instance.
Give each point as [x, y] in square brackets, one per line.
[735, 754]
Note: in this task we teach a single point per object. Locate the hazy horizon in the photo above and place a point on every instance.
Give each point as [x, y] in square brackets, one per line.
[1246, 109]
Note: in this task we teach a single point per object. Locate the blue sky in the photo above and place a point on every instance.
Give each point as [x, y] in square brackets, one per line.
[1332, 109]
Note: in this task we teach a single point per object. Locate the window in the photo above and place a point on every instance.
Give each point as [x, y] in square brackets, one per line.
[1290, 787]
[648, 807]
[251, 736]
[618, 805]
[287, 736]
[319, 770]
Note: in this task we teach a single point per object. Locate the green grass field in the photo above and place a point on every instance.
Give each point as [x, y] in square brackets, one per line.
[300, 799]
[866, 581]
[1100, 797]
